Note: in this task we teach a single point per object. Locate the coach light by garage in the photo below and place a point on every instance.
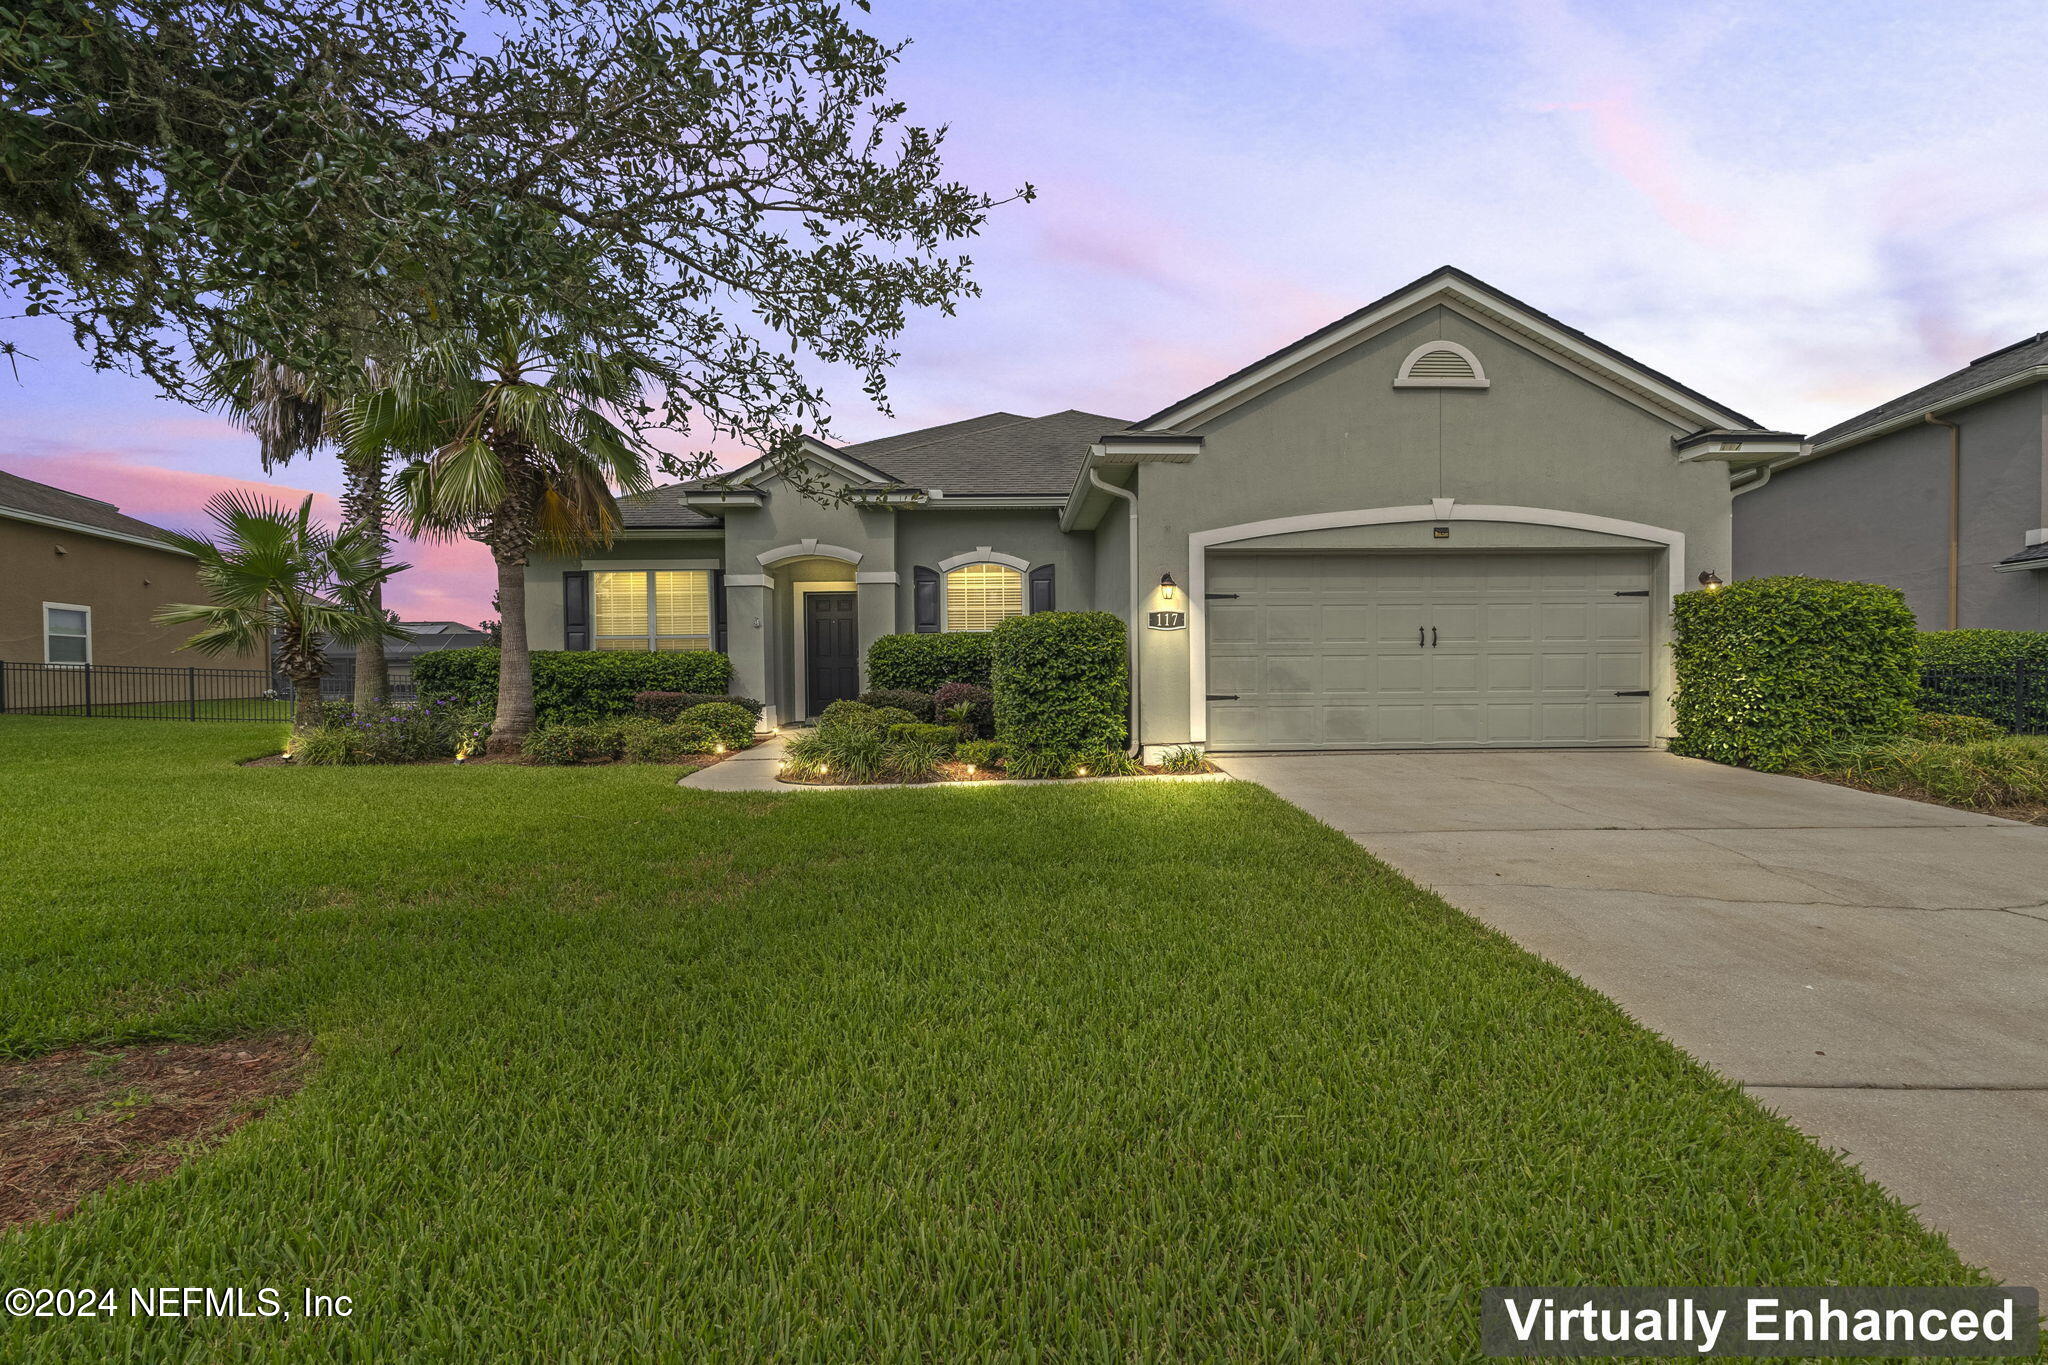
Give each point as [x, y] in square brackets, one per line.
[1167, 587]
[1710, 580]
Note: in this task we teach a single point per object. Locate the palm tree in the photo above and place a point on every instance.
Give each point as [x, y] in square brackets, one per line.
[276, 573]
[292, 414]
[521, 433]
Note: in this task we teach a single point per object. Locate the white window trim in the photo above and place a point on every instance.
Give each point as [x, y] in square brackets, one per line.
[49, 607]
[1404, 377]
[653, 633]
[981, 554]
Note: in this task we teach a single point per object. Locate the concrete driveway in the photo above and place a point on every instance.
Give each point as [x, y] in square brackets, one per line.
[1874, 969]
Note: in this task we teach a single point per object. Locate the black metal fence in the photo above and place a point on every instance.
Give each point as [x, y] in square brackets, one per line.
[141, 693]
[2014, 697]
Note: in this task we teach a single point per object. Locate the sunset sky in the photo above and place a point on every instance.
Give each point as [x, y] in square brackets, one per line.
[1800, 209]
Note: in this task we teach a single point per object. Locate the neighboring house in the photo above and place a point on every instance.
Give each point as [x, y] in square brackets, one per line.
[1444, 520]
[427, 638]
[80, 583]
[1938, 492]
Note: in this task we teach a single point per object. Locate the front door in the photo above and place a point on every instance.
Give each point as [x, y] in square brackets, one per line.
[831, 650]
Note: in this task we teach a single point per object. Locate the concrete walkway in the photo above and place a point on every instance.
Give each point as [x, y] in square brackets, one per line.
[750, 770]
[1874, 969]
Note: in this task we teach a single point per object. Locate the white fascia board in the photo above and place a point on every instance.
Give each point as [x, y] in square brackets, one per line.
[967, 502]
[1146, 452]
[80, 528]
[1074, 508]
[670, 533]
[1487, 309]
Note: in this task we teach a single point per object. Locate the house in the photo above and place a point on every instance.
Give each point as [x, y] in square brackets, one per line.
[1939, 493]
[81, 583]
[1446, 519]
[427, 637]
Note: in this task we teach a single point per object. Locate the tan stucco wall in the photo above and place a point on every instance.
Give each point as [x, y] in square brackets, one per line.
[124, 585]
[1341, 438]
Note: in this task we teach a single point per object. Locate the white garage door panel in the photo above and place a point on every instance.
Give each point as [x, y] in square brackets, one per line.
[1362, 651]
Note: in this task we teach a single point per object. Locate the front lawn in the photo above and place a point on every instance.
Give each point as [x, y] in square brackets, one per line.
[609, 1070]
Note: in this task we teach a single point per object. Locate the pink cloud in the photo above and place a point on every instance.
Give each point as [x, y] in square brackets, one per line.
[448, 580]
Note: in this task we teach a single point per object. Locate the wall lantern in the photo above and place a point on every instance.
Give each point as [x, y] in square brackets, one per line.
[1710, 580]
[1167, 586]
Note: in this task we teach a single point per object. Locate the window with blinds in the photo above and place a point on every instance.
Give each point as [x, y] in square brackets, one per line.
[663, 609]
[979, 595]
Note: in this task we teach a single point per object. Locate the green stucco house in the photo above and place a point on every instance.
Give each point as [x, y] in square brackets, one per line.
[1446, 520]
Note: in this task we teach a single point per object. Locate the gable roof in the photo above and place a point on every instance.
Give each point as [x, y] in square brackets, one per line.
[2003, 368]
[662, 509]
[996, 455]
[1449, 284]
[27, 500]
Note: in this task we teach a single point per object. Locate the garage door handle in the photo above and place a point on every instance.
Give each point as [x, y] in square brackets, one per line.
[1644, 693]
[1432, 637]
[1421, 636]
[1223, 696]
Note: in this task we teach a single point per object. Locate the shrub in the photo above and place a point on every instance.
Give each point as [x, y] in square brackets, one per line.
[918, 704]
[925, 663]
[593, 742]
[1988, 774]
[1061, 685]
[841, 753]
[847, 713]
[912, 760]
[729, 724]
[982, 753]
[943, 736]
[410, 732]
[572, 686]
[886, 716]
[669, 705]
[1947, 729]
[979, 717]
[2001, 675]
[1186, 759]
[666, 743]
[1771, 668]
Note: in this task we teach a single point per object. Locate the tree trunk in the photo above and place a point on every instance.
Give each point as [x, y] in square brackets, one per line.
[363, 507]
[514, 719]
[305, 702]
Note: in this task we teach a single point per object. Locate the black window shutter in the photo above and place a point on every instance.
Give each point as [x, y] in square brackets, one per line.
[576, 610]
[1041, 588]
[718, 610]
[927, 581]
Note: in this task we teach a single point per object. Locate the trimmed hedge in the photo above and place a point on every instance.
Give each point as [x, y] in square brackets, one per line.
[918, 704]
[669, 705]
[1061, 684]
[1770, 669]
[2000, 675]
[572, 686]
[925, 663]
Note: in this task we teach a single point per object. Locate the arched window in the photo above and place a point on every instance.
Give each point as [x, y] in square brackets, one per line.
[979, 595]
[1440, 365]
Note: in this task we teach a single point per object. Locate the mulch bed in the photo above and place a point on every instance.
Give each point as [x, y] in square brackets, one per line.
[80, 1120]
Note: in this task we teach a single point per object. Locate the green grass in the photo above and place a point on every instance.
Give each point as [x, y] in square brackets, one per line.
[614, 1071]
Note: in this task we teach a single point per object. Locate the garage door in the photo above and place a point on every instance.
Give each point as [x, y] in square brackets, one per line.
[1350, 651]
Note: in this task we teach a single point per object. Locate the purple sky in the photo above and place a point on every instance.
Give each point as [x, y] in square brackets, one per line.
[1800, 209]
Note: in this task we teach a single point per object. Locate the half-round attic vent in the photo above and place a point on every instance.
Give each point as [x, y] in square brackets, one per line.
[1440, 365]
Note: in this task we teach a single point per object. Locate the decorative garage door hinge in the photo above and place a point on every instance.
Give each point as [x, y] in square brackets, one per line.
[1644, 693]
[1223, 696]
[1219, 594]
[1633, 592]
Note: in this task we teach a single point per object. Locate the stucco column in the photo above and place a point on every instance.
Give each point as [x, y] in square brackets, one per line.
[747, 623]
[875, 603]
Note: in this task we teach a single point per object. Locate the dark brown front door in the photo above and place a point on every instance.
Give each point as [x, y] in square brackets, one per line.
[831, 650]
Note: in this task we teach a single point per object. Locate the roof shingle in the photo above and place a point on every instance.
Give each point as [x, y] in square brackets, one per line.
[44, 500]
[1985, 369]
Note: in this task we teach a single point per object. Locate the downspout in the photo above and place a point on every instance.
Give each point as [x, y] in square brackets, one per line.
[1137, 746]
[1763, 477]
[1955, 516]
